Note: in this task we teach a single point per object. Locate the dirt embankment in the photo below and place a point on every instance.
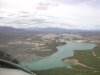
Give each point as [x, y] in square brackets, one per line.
[75, 62]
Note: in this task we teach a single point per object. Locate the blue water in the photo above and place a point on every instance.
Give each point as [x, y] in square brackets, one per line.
[55, 60]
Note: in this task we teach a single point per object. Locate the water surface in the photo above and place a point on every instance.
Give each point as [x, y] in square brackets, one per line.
[55, 60]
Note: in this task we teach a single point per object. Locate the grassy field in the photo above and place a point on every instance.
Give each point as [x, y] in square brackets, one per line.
[84, 57]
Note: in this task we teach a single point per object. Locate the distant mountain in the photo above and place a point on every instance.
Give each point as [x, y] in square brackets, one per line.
[4, 30]
[10, 32]
[52, 29]
[62, 30]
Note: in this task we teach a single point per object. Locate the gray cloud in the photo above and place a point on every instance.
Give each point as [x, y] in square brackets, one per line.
[29, 21]
[1, 18]
[45, 5]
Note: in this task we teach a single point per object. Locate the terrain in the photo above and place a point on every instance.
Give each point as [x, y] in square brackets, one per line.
[35, 43]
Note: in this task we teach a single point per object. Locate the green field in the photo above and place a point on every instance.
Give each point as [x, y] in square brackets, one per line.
[84, 57]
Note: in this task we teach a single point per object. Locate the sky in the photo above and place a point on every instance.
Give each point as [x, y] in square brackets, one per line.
[69, 14]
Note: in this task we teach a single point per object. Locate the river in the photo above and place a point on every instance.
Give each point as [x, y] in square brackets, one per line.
[55, 60]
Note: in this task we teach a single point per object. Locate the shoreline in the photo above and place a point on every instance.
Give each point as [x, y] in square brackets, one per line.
[75, 61]
[53, 49]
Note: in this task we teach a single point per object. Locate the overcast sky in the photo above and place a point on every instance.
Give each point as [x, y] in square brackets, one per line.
[70, 14]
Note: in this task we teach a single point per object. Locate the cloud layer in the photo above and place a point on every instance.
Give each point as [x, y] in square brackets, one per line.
[70, 14]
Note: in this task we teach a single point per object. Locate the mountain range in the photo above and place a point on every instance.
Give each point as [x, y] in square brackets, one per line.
[5, 29]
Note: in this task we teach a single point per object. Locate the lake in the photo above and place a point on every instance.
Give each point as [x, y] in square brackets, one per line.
[55, 60]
